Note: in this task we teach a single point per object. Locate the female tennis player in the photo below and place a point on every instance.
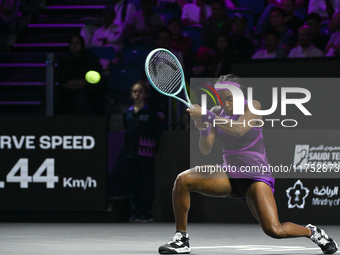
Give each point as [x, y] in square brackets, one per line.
[242, 146]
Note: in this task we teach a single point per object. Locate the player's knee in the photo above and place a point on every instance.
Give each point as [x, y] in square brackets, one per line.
[274, 230]
[180, 182]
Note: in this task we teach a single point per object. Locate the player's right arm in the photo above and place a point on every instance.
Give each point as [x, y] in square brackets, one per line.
[206, 142]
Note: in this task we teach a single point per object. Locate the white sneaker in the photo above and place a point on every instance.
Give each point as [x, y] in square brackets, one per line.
[178, 245]
[327, 244]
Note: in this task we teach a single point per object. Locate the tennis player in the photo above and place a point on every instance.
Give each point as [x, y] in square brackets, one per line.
[242, 146]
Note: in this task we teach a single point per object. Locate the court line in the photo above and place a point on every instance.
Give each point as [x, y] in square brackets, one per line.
[258, 247]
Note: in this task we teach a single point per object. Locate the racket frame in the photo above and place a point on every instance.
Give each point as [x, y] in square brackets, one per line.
[183, 86]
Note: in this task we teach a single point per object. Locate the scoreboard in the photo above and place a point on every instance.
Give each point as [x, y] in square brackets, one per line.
[53, 163]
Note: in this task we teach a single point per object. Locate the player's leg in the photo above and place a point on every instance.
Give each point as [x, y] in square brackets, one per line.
[262, 203]
[210, 184]
[215, 184]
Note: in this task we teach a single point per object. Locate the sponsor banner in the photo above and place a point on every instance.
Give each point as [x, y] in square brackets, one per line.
[321, 156]
[308, 153]
[303, 201]
[327, 196]
[53, 163]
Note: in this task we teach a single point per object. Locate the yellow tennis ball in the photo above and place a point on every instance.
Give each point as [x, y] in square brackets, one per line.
[92, 77]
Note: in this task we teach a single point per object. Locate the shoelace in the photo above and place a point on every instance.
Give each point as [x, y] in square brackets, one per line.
[177, 237]
[321, 238]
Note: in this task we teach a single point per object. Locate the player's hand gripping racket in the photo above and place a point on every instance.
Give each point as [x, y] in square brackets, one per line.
[165, 74]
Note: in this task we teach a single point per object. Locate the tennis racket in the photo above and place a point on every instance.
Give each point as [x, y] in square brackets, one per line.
[165, 74]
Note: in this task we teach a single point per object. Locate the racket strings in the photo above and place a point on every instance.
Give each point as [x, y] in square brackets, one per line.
[165, 72]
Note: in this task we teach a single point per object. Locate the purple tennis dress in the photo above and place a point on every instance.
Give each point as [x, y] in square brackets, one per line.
[246, 155]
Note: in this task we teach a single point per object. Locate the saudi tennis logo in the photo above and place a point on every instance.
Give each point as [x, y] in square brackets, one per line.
[297, 195]
[301, 155]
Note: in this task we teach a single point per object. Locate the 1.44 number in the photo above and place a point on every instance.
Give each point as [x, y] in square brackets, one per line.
[19, 174]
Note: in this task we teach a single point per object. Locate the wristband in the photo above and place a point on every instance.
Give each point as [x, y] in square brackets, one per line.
[209, 117]
[206, 131]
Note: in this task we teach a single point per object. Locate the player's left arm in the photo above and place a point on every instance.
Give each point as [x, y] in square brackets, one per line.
[241, 126]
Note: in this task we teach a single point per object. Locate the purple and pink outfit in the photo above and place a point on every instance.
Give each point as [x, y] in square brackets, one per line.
[242, 153]
[142, 132]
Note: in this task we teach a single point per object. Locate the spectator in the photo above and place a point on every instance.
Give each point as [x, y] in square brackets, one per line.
[195, 13]
[306, 48]
[271, 44]
[123, 9]
[142, 133]
[225, 56]
[243, 43]
[164, 40]
[291, 20]
[219, 22]
[180, 42]
[334, 22]
[143, 26]
[313, 20]
[263, 23]
[7, 12]
[110, 34]
[87, 31]
[77, 96]
[333, 46]
[287, 36]
[204, 57]
[325, 8]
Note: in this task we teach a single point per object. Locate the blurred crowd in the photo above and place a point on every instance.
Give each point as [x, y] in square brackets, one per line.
[208, 35]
